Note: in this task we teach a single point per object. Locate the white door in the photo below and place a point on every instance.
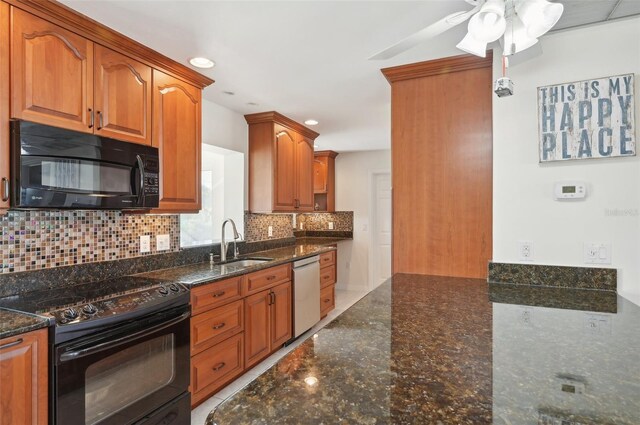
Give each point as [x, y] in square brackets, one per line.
[381, 229]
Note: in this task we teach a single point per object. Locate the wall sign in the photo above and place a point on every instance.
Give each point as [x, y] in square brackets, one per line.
[587, 119]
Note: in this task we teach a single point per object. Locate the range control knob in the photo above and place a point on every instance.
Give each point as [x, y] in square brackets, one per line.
[163, 290]
[174, 287]
[70, 313]
[89, 309]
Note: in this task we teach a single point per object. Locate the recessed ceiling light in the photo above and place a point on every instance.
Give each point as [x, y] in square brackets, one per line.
[311, 380]
[311, 122]
[202, 62]
[230, 93]
[315, 147]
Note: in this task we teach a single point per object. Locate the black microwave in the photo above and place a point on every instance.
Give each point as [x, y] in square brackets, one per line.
[57, 168]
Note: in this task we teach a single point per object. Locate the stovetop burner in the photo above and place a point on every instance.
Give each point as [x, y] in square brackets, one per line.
[62, 300]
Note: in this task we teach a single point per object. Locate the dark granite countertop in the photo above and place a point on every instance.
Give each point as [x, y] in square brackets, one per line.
[14, 322]
[437, 350]
[202, 273]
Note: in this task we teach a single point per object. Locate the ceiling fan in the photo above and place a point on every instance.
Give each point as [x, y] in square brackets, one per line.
[516, 23]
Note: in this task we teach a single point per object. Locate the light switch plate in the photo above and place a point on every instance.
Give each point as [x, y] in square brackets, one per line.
[270, 231]
[145, 243]
[162, 242]
[331, 225]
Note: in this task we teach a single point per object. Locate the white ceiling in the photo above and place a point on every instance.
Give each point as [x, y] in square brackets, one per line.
[304, 59]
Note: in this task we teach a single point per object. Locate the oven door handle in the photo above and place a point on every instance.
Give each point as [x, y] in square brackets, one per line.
[72, 355]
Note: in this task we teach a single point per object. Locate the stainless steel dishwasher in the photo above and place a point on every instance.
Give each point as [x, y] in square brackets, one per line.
[306, 294]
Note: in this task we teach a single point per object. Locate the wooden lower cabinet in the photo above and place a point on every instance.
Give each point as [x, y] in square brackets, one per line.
[268, 322]
[24, 379]
[327, 300]
[215, 367]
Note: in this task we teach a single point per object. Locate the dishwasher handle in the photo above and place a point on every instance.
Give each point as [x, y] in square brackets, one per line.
[306, 261]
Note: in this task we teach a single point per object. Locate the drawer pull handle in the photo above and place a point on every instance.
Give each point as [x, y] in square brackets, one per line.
[271, 277]
[91, 118]
[218, 326]
[11, 344]
[5, 189]
[218, 366]
[219, 294]
[327, 300]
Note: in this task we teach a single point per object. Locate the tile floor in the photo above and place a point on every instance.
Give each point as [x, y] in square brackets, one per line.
[344, 300]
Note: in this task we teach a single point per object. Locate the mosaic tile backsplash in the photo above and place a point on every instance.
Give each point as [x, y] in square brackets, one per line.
[256, 226]
[33, 240]
[342, 221]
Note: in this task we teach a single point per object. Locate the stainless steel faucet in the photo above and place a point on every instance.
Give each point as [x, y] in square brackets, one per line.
[224, 245]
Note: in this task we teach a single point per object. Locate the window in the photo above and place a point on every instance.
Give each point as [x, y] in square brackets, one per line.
[222, 197]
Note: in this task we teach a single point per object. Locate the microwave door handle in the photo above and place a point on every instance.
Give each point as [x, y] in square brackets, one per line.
[141, 167]
[72, 355]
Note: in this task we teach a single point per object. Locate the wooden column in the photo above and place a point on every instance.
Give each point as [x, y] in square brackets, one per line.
[441, 147]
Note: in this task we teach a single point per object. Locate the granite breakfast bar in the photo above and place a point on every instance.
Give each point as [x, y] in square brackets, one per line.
[438, 350]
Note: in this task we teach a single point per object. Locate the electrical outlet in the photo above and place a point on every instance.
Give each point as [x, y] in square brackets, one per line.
[302, 225]
[162, 242]
[331, 225]
[525, 250]
[145, 243]
[597, 324]
[526, 316]
[597, 253]
[270, 231]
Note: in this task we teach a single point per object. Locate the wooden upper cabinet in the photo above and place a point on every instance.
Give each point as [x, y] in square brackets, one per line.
[4, 106]
[304, 177]
[285, 166]
[280, 164]
[23, 378]
[51, 73]
[122, 97]
[324, 180]
[176, 133]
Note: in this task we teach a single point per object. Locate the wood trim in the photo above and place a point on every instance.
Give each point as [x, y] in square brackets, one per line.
[4, 99]
[437, 67]
[329, 154]
[84, 26]
[273, 116]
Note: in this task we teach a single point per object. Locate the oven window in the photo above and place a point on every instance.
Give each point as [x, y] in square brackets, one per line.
[77, 175]
[116, 382]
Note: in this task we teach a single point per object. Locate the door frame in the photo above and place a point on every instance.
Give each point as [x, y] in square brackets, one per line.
[373, 174]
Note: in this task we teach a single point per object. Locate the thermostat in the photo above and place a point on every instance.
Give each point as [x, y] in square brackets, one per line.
[569, 190]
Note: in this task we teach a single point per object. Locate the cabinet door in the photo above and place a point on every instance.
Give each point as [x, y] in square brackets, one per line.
[256, 327]
[122, 97]
[4, 106]
[284, 173]
[304, 175]
[176, 133]
[280, 315]
[319, 175]
[23, 374]
[51, 74]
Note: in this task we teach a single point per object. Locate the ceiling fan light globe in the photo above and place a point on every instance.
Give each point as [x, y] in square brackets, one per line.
[484, 32]
[471, 45]
[516, 38]
[539, 16]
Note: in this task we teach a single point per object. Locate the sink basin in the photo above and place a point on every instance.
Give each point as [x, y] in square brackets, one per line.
[247, 262]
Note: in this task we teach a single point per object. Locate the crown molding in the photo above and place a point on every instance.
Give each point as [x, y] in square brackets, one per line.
[437, 67]
[273, 116]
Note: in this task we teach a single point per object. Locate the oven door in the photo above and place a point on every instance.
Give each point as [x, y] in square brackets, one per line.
[123, 374]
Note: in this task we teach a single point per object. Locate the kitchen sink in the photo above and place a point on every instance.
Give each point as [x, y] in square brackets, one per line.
[247, 262]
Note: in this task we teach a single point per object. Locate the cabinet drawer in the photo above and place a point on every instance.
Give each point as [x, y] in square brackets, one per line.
[215, 294]
[327, 259]
[327, 300]
[216, 325]
[263, 279]
[216, 366]
[327, 276]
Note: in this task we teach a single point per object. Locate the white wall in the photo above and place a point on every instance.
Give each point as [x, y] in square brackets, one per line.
[523, 207]
[353, 193]
[227, 129]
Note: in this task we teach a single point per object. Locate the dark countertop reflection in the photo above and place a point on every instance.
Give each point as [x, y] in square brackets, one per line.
[436, 350]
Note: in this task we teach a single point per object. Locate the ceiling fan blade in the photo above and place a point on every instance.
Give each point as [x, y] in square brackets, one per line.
[424, 34]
